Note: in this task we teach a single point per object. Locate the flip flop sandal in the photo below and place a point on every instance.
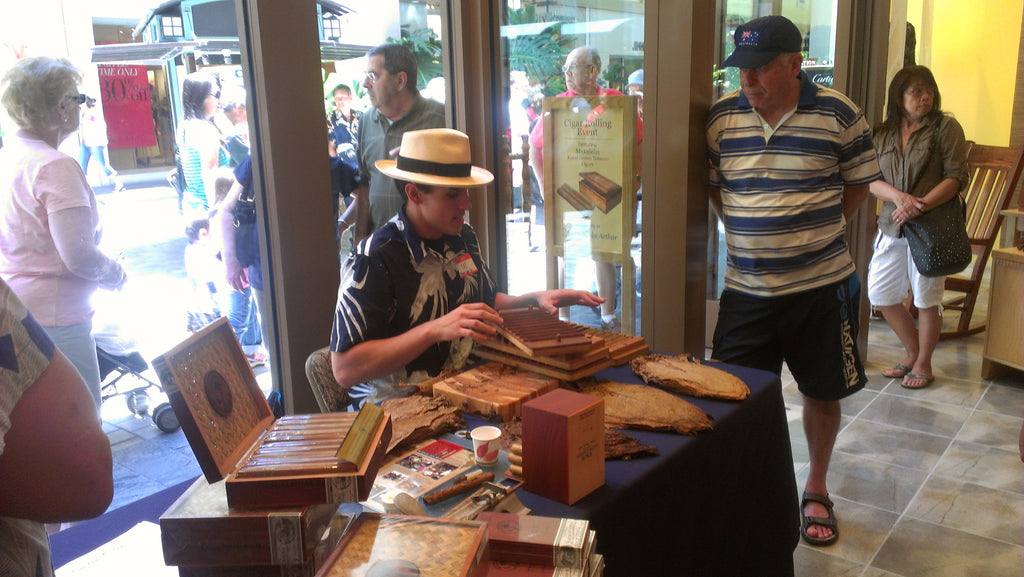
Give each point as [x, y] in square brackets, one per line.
[925, 380]
[897, 372]
[828, 522]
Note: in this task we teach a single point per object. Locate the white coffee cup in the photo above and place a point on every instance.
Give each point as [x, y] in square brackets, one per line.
[486, 442]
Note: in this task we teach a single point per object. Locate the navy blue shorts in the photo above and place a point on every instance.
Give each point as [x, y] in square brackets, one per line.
[814, 332]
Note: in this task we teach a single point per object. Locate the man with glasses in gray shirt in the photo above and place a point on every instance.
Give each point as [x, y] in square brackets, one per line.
[398, 108]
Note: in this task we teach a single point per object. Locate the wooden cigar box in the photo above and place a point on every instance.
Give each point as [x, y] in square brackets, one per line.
[199, 530]
[499, 568]
[536, 332]
[563, 445]
[561, 368]
[578, 201]
[391, 545]
[305, 570]
[293, 461]
[536, 540]
[600, 190]
[494, 390]
[247, 571]
[621, 347]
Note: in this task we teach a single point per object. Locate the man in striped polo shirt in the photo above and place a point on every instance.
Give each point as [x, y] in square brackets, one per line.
[790, 163]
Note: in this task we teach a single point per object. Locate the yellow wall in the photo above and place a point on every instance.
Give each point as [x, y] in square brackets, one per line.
[972, 48]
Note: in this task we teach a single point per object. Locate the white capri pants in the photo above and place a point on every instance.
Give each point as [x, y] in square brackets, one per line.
[892, 273]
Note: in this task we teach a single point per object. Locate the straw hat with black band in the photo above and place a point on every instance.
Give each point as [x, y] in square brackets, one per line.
[435, 157]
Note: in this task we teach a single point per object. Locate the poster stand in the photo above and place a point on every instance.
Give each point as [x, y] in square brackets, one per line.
[590, 182]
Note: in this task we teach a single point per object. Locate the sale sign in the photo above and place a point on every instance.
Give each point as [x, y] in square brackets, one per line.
[127, 105]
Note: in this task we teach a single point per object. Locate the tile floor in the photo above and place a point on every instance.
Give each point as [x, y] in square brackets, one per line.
[926, 482]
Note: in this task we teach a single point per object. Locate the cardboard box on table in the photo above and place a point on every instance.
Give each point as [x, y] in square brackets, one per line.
[201, 535]
[393, 545]
[230, 427]
[563, 445]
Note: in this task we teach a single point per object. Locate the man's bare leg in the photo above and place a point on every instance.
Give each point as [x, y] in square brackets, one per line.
[821, 425]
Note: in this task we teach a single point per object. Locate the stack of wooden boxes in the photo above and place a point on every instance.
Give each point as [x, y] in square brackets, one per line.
[534, 340]
[268, 504]
[526, 545]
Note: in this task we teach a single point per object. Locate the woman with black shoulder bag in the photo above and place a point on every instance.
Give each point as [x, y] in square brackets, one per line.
[923, 156]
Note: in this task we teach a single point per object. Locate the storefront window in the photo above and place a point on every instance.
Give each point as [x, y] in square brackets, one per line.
[572, 211]
[138, 78]
[415, 25]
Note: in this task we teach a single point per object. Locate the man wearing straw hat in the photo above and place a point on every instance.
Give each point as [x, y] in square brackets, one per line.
[416, 293]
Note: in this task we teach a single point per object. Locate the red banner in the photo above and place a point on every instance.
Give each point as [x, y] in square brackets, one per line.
[127, 106]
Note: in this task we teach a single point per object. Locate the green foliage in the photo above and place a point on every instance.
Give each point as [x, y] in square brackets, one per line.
[717, 74]
[615, 76]
[426, 46]
[539, 55]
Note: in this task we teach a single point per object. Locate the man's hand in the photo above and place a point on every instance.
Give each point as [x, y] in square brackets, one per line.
[552, 300]
[236, 275]
[117, 282]
[469, 320]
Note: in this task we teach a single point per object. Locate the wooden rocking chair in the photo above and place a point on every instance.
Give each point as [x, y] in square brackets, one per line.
[995, 171]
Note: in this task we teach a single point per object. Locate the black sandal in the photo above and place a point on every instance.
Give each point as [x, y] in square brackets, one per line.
[827, 522]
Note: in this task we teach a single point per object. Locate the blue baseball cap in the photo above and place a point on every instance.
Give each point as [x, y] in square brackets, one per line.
[762, 39]
[637, 77]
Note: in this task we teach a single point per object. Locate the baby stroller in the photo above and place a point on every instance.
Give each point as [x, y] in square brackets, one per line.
[114, 357]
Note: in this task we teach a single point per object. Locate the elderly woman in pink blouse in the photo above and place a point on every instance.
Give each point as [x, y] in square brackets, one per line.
[48, 215]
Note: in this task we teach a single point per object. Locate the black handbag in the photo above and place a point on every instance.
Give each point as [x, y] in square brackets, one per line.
[938, 238]
[247, 244]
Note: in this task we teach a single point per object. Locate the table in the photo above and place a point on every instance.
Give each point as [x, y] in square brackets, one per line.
[722, 503]
[1004, 341]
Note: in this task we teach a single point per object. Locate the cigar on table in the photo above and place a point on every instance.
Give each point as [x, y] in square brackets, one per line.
[462, 485]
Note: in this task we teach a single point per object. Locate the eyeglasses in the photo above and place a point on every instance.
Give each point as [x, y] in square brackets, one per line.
[79, 98]
[371, 76]
[568, 67]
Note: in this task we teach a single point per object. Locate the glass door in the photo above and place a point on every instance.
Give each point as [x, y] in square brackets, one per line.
[573, 126]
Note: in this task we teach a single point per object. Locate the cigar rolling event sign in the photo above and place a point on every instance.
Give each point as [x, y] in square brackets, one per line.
[589, 146]
[127, 105]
